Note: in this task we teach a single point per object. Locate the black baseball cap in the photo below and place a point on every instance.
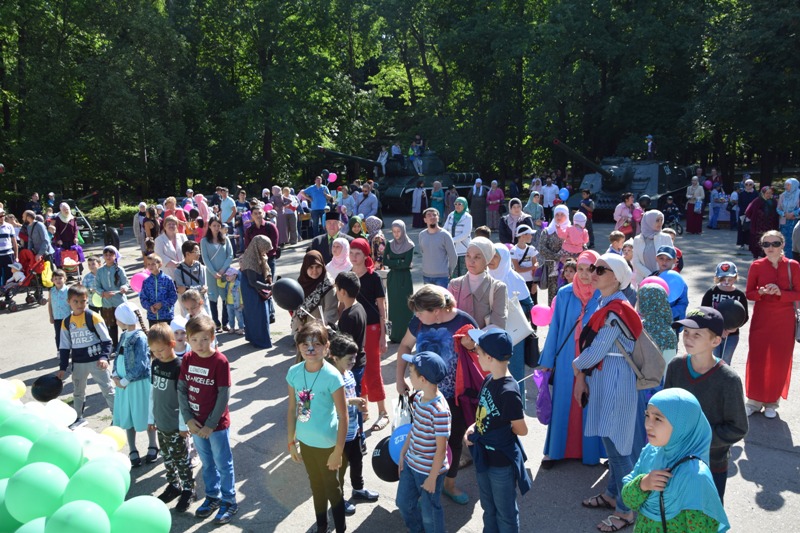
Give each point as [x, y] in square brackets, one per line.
[704, 318]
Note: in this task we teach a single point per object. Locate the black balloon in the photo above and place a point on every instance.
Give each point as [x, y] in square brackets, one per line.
[324, 173]
[383, 465]
[46, 388]
[288, 294]
[733, 313]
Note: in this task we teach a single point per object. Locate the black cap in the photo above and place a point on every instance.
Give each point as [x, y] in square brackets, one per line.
[704, 318]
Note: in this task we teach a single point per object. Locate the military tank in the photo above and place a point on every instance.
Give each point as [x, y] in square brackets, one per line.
[395, 188]
[651, 179]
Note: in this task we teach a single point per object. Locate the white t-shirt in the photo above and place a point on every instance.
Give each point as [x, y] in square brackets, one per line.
[735, 198]
[517, 253]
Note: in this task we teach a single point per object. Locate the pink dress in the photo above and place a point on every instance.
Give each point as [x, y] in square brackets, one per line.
[577, 237]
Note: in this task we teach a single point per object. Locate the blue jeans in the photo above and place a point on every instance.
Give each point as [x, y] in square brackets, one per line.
[358, 374]
[239, 243]
[235, 316]
[217, 458]
[619, 466]
[497, 487]
[421, 510]
[726, 348]
[316, 222]
[270, 303]
[440, 281]
[712, 223]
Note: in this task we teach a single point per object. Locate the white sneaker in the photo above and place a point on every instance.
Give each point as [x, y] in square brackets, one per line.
[770, 412]
[751, 409]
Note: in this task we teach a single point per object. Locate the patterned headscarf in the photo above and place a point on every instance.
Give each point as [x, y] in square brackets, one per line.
[255, 256]
[374, 225]
[656, 315]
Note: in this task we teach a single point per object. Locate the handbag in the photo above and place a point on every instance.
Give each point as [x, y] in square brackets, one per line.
[626, 229]
[794, 304]
[544, 402]
[698, 207]
[402, 411]
[517, 325]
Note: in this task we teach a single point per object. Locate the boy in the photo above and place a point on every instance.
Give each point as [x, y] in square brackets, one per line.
[203, 393]
[353, 321]
[671, 210]
[715, 384]
[191, 273]
[165, 418]
[85, 338]
[616, 239]
[587, 208]
[423, 460]
[678, 254]
[483, 231]
[158, 293]
[665, 257]
[500, 419]
[90, 282]
[57, 304]
[17, 277]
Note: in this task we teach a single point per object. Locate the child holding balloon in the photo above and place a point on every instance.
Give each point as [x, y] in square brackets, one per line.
[725, 289]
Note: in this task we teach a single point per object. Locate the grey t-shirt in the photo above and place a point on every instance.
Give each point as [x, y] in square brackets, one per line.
[438, 254]
[191, 277]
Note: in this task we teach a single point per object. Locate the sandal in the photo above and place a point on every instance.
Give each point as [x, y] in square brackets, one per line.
[598, 502]
[135, 459]
[381, 423]
[609, 522]
[152, 455]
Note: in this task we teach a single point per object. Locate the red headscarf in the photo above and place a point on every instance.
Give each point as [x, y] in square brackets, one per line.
[363, 246]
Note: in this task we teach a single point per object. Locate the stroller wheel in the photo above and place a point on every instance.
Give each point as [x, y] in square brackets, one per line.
[12, 308]
[2, 305]
[30, 299]
[42, 301]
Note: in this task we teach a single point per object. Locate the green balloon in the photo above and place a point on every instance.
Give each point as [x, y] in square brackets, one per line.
[34, 526]
[106, 489]
[60, 448]
[82, 515]
[142, 513]
[7, 522]
[104, 465]
[7, 408]
[24, 425]
[35, 490]
[14, 453]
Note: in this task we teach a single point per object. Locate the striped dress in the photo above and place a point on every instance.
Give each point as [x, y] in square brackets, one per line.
[431, 420]
[611, 411]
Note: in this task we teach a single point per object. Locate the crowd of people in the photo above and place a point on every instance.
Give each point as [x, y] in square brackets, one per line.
[453, 341]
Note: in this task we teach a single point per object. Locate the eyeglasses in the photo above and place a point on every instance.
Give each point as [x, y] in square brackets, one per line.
[772, 244]
[600, 270]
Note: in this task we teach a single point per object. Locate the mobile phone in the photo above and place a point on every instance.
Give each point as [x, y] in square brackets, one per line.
[584, 399]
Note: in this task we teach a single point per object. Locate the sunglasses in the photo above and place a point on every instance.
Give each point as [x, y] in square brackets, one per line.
[600, 270]
[772, 244]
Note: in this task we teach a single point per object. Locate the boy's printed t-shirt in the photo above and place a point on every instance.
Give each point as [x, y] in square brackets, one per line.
[499, 403]
[164, 397]
[78, 340]
[352, 410]
[319, 430]
[715, 295]
[203, 376]
[530, 253]
[431, 419]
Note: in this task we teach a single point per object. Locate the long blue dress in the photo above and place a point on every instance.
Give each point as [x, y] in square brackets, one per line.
[256, 318]
[567, 310]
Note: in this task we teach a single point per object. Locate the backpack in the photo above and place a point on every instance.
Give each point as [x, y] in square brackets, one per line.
[646, 360]
[87, 317]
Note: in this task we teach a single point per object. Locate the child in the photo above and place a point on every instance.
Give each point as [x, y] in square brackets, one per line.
[158, 295]
[493, 438]
[716, 385]
[203, 393]
[627, 252]
[57, 305]
[149, 247]
[423, 460]
[178, 327]
[725, 288]
[483, 231]
[523, 256]
[131, 375]
[577, 236]
[17, 277]
[673, 469]
[165, 418]
[191, 226]
[569, 271]
[616, 239]
[193, 304]
[234, 301]
[111, 284]
[90, 282]
[343, 356]
[316, 436]
[671, 210]
[85, 338]
[665, 257]
[678, 254]
[191, 273]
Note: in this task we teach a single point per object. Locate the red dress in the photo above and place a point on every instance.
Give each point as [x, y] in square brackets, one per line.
[769, 360]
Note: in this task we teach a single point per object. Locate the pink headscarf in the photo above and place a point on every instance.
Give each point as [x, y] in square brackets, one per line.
[582, 291]
[202, 207]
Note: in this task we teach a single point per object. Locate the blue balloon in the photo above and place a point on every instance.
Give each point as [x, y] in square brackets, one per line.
[675, 283]
[397, 441]
[563, 194]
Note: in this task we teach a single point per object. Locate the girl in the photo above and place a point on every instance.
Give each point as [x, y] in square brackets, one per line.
[318, 292]
[131, 375]
[570, 269]
[194, 305]
[355, 230]
[112, 285]
[317, 422]
[340, 262]
[725, 288]
[57, 305]
[398, 258]
[671, 482]
[376, 239]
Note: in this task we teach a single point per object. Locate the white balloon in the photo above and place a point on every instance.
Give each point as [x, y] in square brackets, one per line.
[35, 408]
[7, 390]
[59, 413]
[85, 435]
[101, 446]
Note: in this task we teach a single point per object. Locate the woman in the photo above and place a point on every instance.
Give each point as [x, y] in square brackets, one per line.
[459, 225]
[745, 198]
[611, 413]
[536, 186]
[646, 244]
[788, 210]
[477, 293]
[168, 246]
[278, 203]
[242, 207]
[623, 216]
[769, 360]
[574, 305]
[355, 229]
[494, 198]
[150, 225]
[435, 323]
[217, 254]
[437, 198]
[348, 203]
[291, 204]
[450, 200]
[171, 209]
[398, 259]
[763, 217]
[256, 281]
[419, 203]
[340, 258]
[549, 248]
[694, 194]
[514, 218]
[477, 203]
[66, 236]
[318, 293]
[534, 209]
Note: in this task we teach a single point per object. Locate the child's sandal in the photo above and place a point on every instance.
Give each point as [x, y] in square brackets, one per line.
[135, 459]
[152, 455]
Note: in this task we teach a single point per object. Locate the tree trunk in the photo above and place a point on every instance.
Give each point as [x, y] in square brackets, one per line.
[4, 89]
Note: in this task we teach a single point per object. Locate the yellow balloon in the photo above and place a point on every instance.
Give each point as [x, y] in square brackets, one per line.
[19, 388]
[117, 434]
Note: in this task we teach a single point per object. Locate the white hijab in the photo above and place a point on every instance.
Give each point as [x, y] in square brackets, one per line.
[551, 228]
[503, 273]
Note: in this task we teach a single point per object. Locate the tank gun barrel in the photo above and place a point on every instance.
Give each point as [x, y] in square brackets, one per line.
[583, 159]
[332, 153]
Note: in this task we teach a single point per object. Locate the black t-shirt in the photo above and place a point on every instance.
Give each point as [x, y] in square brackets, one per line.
[164, 377]
[354, 322]
[371, 290]
[715, 295]
[499, 404]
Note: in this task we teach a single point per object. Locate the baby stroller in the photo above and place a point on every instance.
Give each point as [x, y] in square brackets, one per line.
[71, 264]
[31, 285]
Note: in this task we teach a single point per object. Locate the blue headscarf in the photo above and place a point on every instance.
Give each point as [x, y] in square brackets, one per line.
[691, 486]
[791, 197]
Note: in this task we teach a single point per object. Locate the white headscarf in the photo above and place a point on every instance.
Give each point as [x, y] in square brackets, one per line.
[503, 273]
[341, 263]
[620, 268]
[561, 208]
[69, 216]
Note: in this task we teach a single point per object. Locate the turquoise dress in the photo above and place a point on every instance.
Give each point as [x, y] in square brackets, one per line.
[132, 403]
[437, 201]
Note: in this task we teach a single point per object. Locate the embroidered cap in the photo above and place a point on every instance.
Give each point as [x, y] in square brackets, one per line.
[704, 318]
[726, 269]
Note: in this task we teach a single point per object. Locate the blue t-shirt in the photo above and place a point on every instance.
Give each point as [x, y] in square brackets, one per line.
[58, 301]
[317, 195]
[352, 410]
[226, 208]
[695, 374]
[317, 422]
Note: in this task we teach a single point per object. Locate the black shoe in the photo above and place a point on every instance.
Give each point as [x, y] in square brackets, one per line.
[135, 459]
[170, 493]
[78, 423]
[547, 464]
[187, 497]
[152, 455]
[349, 508]
[365, 495]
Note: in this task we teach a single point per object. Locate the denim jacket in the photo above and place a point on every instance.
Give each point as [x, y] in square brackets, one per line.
[136, 356]
[233, 292]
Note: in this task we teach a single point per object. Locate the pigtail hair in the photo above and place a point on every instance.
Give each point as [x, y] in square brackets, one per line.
[141, 320]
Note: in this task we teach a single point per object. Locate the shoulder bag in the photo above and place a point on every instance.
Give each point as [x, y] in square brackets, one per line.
[794, 305]
[517, 325]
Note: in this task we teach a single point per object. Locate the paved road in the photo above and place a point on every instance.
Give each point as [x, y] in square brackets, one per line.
[274, 494]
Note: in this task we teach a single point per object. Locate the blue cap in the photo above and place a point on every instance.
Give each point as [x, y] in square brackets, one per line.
[726, 269]
[429, 365]
[667, 250]
[495, 342]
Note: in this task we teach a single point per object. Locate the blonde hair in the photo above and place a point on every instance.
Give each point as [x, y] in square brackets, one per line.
[430, 298]
[192, 295]
[773, 233]
[171, 200]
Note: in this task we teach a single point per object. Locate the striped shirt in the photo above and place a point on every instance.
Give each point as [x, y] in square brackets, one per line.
[431, 420]
[613, 397]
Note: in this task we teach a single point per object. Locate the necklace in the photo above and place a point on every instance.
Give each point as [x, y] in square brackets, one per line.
[305, 396]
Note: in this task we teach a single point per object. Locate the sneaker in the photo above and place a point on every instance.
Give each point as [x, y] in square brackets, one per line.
[207, 507]
[349, 508]
[170, 493]
[751, 409]
[226, 512]
[366, 495]
[770, 412]
[187, 497]
[78, 423]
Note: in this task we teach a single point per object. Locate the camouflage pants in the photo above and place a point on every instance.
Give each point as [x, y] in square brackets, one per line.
[176, 459]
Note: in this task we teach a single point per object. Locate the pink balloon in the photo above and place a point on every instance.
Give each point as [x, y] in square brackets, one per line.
[541, 315]
[638, 214]
[332, 177]
[138, 279]
[188, 207]
[656, 281]
[708, 185]
[268, 207]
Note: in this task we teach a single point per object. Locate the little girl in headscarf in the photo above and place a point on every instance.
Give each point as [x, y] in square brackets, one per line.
[340, 260]
[376, 239]
[671, 485]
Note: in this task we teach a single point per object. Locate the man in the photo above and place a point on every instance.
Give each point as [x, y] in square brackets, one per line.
[320, 195]
[190, 197]
[549, 195]
[227, 207]
[215, 198]
[267, 229]
[366, 202]
[323, 243]
[38, 239]
[587, 208]
[8, 248]
[34, 204]
[138, 224]
[438, 251]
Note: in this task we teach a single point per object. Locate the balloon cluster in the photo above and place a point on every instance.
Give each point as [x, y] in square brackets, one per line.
[386, 455]
[53, 480]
